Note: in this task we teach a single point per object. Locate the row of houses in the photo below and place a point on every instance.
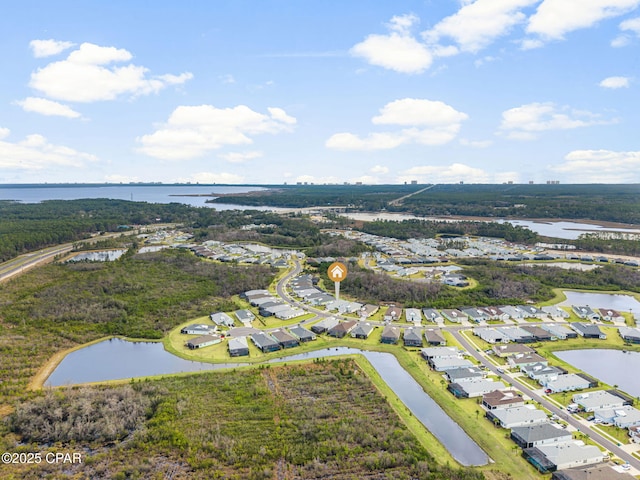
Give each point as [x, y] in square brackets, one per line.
[271, 341]
[585, 312]
[243, 253]
[270, 305]
[538, 333]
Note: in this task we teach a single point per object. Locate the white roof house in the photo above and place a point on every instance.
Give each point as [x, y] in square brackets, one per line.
[222, 318]
[623, 417]
[567, 383]
[571, 454]
[517, 416]
[591, 401]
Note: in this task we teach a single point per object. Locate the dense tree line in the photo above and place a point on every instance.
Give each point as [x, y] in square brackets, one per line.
[430, 229]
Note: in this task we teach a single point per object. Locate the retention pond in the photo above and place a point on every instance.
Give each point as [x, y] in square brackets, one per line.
[120, 359]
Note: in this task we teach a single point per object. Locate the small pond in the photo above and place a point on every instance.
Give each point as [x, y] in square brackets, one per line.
[614, 367]
[621, 303]
[117, 359]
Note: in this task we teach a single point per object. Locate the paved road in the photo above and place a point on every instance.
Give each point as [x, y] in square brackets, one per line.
[25, 262]
[581, 426]
[398, 201]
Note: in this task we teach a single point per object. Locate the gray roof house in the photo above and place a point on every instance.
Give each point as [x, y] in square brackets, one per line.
[302, 333]
[221, 318]
[198, 329]
[475, 314]
[324, 325]
[265, 342]
[517, 416]
[412, 337]
[441, 352]
[474, 389]
[555, 312]
[453, 315]
[432, 315]
[489, 334]
[495, 313]
[362, 330]
[285, 339]
[568, 383]
[631, 335]
[413, 315]
[593, 472]
[433, 336]
[591, 401]
[245, 316]
[203, 341]
[542, 373]
[549, 458]
[391, 334]
[559, 332]
[516, 334]
[522, 360]
[540, 434]
[540, 334]
[460, 375]
[238, 346]
[514, 312]
[623, 417]
[588, 330]
[513, 349]
[442, 364]
[585, 312]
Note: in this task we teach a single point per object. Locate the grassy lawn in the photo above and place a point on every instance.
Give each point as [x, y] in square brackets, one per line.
[619, 434]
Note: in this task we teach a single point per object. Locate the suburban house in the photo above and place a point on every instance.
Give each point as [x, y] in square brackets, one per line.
[461, 375]
[517, 416]
[368, 310]
[412, 337]
[432, 315]
[476, 315]
[285, 339]
[433, 336]
[609, 315]
[623, 417]
[515, 313]
[449, 363]
[245, 316]
[523, 360]
[533, 312]
[559, 332]
[569, 382]
[538, 333]
[265, 342]
[302, 334]
[203, 341]
[453, 315]
[238, 346]
[585, 313]
[222, 318]
[542, 373]
[413, 315]
[440, 352]
[549, 458]
[556, 313]
[253, 293]
[495, 313]
[474, 389]
[391, 335]
[198, 329]
[504, 351]
[502, 399]
[392, 314]
[594, 472]
[342, 328]
[362, 330]
[634, 433]
[324, 325]
[489, 335]
[588, 330]
[599, 399]
[540, 434]
[631, 335]
[516, 334]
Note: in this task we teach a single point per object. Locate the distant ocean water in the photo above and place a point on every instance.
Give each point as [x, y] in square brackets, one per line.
[139, 193]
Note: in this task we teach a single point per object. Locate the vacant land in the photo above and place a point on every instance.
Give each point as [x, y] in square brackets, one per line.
[317, 420]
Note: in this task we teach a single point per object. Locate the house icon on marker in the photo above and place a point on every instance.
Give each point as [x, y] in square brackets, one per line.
[337, 272]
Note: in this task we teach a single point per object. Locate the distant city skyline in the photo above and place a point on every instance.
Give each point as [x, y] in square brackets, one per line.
[275, 91]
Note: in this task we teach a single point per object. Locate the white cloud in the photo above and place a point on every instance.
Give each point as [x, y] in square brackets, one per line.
[430, 123]
[522, 123]
[192, 131]
[476, 25]
[601, 166]
[373, 141]
[476, 143]
[631, 25]
[209, 177]
[419, 112]
[47, 107]
[46, 48]
[36, 153]
[398, 51]
[87, 76]
[239, 157]
[555, 18]
[453, 173]
[380, 169]
[615, 82]
[228, 78]
[531, 43]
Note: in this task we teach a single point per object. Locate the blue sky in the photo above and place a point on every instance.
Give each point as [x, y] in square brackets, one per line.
[273, 91]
